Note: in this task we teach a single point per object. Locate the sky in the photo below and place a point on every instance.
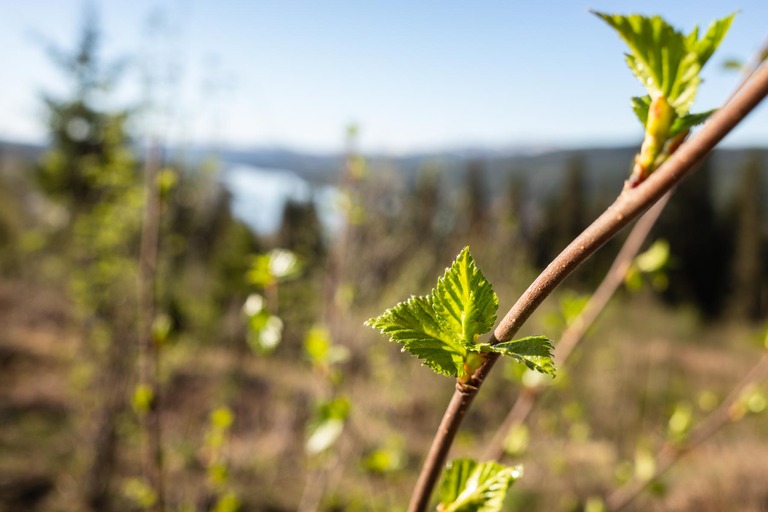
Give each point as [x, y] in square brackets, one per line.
[412, 75]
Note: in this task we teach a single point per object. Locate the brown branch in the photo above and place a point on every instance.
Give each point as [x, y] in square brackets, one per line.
[629, 205]
[671, 452]
[148, 353]
[574, 333]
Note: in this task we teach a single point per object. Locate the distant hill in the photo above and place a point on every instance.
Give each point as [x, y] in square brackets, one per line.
[540, 170]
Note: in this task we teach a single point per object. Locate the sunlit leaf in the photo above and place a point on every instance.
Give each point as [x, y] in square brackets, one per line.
[641, 105]
[143, 398]
[688, 121]
[275, 266]
[324, 435]
[327, 425]
[658, 57]
[464, 301]
[666, 61]
[222, 418]
[534, 351]
[655, 258]
[283, 264]
[468, 486]
[707, 45]
[680, 421]
[413, 324]
[139, 492]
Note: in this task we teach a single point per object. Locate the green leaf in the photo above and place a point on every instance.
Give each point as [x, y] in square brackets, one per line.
[534, 351]
[665, 61]
[641, 105]
[327, 425]
[705, 47]
[688, 121]
[443, 328]
[655, 258]
[414, 324]
[468, 486]
[657, 50]
[464, 301]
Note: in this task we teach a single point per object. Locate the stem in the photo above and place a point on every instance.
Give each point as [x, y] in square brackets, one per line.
[670, 452]
[574, 333]
[149, 351]
[629, 205]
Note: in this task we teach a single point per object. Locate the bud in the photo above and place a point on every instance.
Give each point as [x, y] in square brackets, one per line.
[660, 118]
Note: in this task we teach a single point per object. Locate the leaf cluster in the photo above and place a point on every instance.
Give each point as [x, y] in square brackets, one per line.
[443, 328]
[667, 62]
[469, 486]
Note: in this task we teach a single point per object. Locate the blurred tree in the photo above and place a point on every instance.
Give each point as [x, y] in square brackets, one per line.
[84, 137]
[747, 267]
[698, 245]
[566, 213]
[302, 233]
[475, 201]
[424, 204]
[90, 169]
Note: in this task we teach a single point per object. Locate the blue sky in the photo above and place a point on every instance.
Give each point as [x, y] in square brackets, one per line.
[413, 75]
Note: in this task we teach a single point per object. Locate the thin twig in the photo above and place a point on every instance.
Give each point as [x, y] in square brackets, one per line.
[629, 205]
[671, 452]
[574, 333]
[149, 353]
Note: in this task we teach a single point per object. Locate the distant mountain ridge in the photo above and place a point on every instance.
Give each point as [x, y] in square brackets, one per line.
[541, 170]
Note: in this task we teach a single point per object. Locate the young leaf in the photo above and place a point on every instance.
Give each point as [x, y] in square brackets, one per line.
[442, 329]
[641, 105]
[705, 47]
[414, 324]
[468, 486]
[534, 351]
[657, 51]
[665, 61]
[464, 301]
[688, 121]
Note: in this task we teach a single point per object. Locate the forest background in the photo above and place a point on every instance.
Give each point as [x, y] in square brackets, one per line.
[270, 393]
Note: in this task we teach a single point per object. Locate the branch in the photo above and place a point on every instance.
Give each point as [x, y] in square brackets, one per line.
[670, 452]
[574, 333]
[629, 205]
[148, 353]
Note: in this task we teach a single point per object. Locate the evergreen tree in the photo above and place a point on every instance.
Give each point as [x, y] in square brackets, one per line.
[85, 139]
[476, 205]
[698, 245]
[90, 170]
[566, 214]
[302, 233]
[748, 259]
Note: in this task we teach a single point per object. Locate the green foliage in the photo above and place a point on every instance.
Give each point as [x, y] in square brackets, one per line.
[469, 486]
[272, 267]
[143, 398]
[139, 492]
[327, 425]
[385, 459]
[443, 328]
[265, 331]
[516, 440]
[680, 422]
[217, 467]
[321, 351]
[668, 64]
[653, 264]
[535, 352]
[666, 61]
